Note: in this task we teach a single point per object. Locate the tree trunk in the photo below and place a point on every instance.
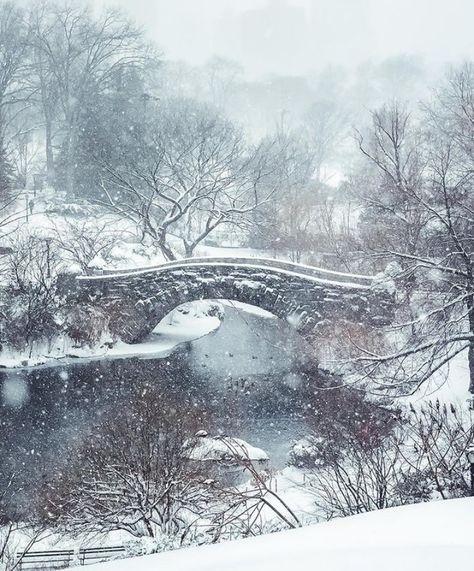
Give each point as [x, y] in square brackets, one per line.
[188, 249]
[50, 173]
[165, 247]
[470, 357]
[149, 529]
[70, 164]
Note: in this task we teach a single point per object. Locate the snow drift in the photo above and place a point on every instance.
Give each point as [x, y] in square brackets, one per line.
[435, 536]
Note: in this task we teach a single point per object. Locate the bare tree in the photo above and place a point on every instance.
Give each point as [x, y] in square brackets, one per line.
[44, 82]
[325, 123]
[221, 77]
[395, 154]
[193, 174]
[422, 193]
[76, 54]
[336, 227]
[24, 148]
[13, 39]
[288, 222]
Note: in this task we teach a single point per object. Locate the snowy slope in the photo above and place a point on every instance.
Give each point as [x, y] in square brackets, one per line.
[426, 537]
[449, 385]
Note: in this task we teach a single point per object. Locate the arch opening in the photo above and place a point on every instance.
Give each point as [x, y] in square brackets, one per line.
[223, 329]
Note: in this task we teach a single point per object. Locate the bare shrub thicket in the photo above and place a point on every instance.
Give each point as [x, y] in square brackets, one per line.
[134, 472]
[423, 457]
[12, 549]
[18, 530]
[130, 473]
[30, 301]
[81, 241]
[249, 509]
[335, 411]
[86, 324]
[440, 436]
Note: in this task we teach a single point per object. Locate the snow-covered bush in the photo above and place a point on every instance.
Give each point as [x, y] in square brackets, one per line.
[86, 324]
[422, 458]
[30, 300]
[57, 205]
[130, 473]
[38, 297]
[85, 242]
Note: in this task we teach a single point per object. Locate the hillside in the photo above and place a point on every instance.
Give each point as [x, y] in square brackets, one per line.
[435, 537]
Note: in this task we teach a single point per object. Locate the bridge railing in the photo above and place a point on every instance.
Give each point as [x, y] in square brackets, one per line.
[270, 263]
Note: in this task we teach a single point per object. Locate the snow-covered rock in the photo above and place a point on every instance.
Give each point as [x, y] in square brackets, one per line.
[223, 448]
[386, 280]
[225, 459]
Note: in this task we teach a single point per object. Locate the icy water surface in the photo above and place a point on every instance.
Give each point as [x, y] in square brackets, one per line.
[246, 373]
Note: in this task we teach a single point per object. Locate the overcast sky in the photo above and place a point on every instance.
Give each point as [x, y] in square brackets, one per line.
[298, 36]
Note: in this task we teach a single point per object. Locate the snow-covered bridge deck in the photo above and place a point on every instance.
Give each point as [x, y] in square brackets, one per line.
[137, 299]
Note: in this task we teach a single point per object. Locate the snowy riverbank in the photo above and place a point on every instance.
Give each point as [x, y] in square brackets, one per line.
[186, 323]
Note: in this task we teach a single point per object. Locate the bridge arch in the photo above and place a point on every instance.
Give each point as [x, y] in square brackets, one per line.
[136, 301]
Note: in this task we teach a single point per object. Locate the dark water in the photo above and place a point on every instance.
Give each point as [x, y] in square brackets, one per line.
[245, 373]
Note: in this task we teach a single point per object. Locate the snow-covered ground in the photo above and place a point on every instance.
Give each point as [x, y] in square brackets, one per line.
[50, 219]
[425, 537]
[449, 385]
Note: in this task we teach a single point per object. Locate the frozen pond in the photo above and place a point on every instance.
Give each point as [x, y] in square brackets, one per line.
[245, 370]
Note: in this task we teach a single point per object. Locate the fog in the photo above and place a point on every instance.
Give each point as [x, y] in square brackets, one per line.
[289, 37]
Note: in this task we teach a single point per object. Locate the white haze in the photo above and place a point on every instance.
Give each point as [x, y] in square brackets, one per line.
[289, 37]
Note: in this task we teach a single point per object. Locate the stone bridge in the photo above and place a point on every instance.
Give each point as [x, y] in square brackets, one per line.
[136, 301]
